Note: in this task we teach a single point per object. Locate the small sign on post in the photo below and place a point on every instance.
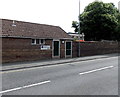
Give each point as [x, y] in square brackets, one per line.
[45, 47]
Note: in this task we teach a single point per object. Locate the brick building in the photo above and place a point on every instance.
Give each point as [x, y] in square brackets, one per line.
[23, 41]
[76, 36]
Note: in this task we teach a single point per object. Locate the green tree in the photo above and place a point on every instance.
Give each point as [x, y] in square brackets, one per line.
[99, 21]
[75, 25]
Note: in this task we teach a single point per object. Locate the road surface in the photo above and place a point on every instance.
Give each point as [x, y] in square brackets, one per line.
[92, 77]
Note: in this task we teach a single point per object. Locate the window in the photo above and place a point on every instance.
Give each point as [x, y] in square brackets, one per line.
[38, 41]
[42, 41]
[33, 41]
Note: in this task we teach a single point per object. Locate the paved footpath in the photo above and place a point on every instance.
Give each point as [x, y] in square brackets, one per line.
[22, 65]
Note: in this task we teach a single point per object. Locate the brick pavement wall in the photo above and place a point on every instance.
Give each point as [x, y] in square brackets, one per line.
[75, 49]
[18, 49]
[95, 48]
[119, 48]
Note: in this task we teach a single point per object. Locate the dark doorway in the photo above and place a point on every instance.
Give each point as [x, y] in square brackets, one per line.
[56, 48]
[68, 49]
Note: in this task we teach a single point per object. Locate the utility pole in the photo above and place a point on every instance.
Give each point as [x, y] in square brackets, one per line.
[119, 6]
[79, 28]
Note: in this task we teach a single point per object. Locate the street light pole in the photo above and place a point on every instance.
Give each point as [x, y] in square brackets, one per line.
[79, 28]
[119, 6]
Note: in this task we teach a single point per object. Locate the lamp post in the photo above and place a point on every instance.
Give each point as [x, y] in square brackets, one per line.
[79, 29]
[119, 6]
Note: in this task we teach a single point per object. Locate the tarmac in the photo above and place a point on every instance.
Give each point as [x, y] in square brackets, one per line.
[31, 64]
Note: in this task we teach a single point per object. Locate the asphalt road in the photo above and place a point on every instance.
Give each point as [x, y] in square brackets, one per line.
[92, 77]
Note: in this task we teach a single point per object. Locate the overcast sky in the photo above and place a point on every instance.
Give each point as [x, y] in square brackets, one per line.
[53, 12]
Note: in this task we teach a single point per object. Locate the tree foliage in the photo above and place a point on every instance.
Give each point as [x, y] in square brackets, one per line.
[99, 21]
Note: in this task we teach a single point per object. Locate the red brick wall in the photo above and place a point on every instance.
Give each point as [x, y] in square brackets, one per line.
[21, 50]
[74, 49]
[95, 48]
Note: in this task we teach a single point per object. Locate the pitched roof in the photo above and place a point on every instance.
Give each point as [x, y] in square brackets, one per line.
[32, 30]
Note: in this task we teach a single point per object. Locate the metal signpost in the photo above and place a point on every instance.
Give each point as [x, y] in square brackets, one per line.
[79, 29]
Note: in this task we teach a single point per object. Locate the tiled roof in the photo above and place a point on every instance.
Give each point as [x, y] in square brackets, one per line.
[32, 30]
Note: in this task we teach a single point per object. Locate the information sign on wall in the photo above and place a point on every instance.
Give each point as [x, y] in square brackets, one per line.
[45, 47]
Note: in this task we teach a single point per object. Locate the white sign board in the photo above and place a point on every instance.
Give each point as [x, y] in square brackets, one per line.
[45, 47]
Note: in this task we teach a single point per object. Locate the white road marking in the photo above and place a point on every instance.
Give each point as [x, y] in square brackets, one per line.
[95, 70]
[19, 70]
[23, 87]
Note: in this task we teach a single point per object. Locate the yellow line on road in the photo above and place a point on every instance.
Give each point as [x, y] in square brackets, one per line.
[19, 70]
